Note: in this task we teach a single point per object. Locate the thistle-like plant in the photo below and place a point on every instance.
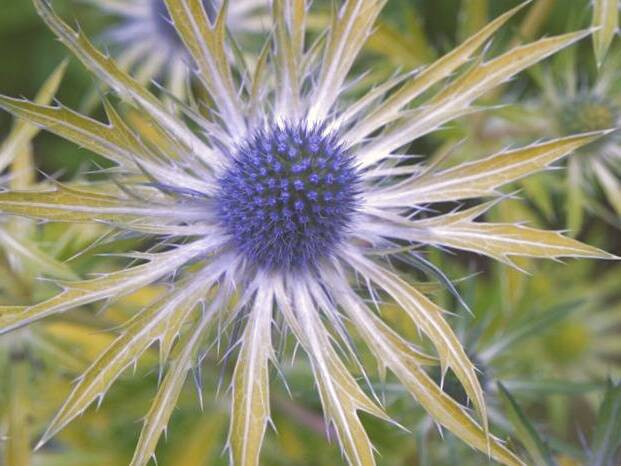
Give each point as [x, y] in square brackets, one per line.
[148, 45]
[281, 208]
[577, 100]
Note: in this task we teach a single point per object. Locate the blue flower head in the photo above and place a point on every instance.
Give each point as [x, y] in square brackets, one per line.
[289, 195]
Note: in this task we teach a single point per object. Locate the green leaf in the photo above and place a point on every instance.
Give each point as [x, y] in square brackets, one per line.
[537, 190]
[610, 184]
[29, 251]
[531, 327]
[606, 20]
[250, 405]
[201, 442]
[17, 450]
[535, 18]
[406, 50]
[575, 197]
[472, 17]
[551, 387]
[481, 177]
[536, 447]
[607, 437]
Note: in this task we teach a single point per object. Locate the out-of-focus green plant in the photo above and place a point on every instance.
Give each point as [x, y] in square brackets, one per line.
[37, 363]
[575, 97]
[33, 357]
[604, 447]
[147, 45]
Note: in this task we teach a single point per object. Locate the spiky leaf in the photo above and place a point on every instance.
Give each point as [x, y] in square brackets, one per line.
[481, 177]
[144, 330]
[107, 286]
[23, 132]
[250, 388]
[390, 353]
[456, 99]
[499, 240]
[428, 316]
[433, 74]
[341, 396]
[606, 20]
[526, 432]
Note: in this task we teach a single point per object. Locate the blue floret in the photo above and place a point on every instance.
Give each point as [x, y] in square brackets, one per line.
[289, 196]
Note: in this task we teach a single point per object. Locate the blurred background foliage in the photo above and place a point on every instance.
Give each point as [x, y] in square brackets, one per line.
[547, 342]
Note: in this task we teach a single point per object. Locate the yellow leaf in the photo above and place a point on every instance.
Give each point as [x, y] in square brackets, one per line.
[341, 396]
[456, 99]
[250, 406]
[499, 240]
[107, 286]
[206, 45]
[166, 398]
[22, 133]
[479, 178]
[431, 75]
[438, 404]
[109, 71]
[126, 349]
[349, 31]
[427, 316]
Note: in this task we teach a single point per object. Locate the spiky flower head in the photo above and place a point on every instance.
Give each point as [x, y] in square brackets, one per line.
[289, 196]
[284, 205]
[587, 113]
[575, 99]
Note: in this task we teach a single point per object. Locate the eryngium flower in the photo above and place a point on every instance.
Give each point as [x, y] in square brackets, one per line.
[283, 205]
[147, 43]
[578, 101]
